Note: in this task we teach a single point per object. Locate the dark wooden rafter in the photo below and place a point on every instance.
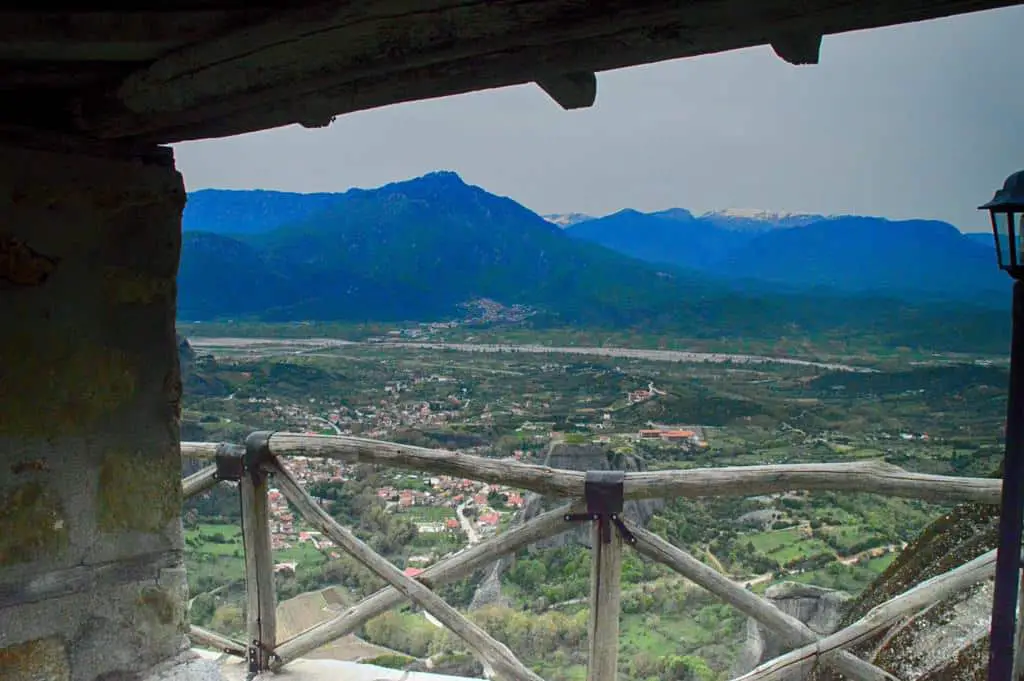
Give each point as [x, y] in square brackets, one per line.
[571, 90]
[311, 64]
[799, 49]
[213, 69]
[140, 35]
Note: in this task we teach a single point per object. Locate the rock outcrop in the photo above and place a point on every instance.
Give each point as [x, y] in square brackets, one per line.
[818, 608]
[948, 641]
[577, 458]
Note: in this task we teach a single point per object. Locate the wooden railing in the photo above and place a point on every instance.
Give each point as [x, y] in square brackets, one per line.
[596, 498]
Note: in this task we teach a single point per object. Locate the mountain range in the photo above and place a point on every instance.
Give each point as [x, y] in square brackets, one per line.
[909, 259]
[419, 248]
[409, 250]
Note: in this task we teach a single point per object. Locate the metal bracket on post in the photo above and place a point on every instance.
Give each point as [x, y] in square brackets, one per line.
[259, 656]
[253, 651]
[230, 463]
[257, 452]
[604, 494]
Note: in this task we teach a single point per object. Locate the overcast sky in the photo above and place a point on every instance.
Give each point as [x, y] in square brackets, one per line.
[923, 120]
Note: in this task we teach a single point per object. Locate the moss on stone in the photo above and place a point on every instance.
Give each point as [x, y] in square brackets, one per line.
[61, 383]
[138, 492]
[956, 538]
[43, 659]
[159, 603]
[34, 525]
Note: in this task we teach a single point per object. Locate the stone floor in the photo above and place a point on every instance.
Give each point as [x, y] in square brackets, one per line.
[198, 665]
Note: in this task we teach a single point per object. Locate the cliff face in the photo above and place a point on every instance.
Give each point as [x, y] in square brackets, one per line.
[948, 641]
[818, 608]
[577, 458]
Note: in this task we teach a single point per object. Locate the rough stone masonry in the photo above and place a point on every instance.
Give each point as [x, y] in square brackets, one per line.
[92, 583]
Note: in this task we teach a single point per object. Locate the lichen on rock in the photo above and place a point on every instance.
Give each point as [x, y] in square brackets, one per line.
[33, 523]
[946, 642]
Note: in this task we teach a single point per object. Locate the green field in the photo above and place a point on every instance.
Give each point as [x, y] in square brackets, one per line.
[786, 545]
[495, 405]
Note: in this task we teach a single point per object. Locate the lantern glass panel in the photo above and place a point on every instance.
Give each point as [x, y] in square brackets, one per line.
[1019, 236]
[1002, 226]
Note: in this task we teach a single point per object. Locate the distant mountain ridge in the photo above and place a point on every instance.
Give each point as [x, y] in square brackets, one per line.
[567, 219]
[416, 250]
[250, 211]
[760, 220]
[908, 259]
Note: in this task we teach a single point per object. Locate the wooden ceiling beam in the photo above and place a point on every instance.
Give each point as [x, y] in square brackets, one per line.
[373, 60]
[132, 35]
[571, 90]
[18, 75]
[314, 47]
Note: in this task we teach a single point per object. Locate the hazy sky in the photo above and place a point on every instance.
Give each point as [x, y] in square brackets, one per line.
[923, 120]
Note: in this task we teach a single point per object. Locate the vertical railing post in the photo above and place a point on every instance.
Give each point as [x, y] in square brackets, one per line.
[1002, 636]
[261, 600]
[604, 493]
[605, 595]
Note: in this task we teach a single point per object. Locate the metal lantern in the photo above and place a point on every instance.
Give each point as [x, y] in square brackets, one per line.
[1006, 209]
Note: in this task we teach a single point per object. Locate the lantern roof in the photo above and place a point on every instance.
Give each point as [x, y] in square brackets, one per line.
[1010, 197]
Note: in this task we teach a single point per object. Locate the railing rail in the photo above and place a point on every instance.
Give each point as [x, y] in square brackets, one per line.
[264, 453]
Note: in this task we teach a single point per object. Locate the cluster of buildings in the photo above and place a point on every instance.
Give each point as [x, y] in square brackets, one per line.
[480, 311]
[467, 498]
[376, 419]
[643, 394]
[672, 435]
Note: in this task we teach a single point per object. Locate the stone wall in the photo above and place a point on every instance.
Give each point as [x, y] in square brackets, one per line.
[92, 584]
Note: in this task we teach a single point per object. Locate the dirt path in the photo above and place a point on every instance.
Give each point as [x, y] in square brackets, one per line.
[467, 527]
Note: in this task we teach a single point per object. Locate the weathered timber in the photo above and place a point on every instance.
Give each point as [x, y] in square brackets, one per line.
[876, 477]
[208, 639]
[458, 566]
[199, 482]
[200, 450]
[605, 597]
[123, 35]
[353, 449]
[310, 48]
[84, 578]
[261, 599]
[571, 90]
[792, 631]
[493, 652]
[880, 618]
[798, 48]
[311, 64]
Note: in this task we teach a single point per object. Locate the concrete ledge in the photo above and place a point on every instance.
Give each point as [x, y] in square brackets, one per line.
[312, 670]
